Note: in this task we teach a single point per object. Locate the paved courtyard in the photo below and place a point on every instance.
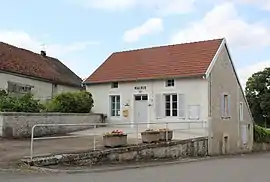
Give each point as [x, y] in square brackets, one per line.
[180, 132]
[12, 150]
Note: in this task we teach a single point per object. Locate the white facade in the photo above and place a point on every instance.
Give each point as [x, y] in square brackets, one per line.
[41, 90]
[192, 100]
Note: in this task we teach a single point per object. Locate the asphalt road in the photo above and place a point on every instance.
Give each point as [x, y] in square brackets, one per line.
[249, 168]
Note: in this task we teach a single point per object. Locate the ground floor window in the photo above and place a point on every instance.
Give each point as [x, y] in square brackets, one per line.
[171, 105]
[115, 105]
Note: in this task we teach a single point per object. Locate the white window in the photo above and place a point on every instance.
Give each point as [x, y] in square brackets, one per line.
[241, 112]
[141, 97]
[19, 88]
[115, 105]
[171, 105]
[194, 112]
[225, 106]
[169, 83]
[114, 85]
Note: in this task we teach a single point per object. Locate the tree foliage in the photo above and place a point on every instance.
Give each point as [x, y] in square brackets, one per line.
[258, 96]
[261, 135]
[71, 102]
[25, 103]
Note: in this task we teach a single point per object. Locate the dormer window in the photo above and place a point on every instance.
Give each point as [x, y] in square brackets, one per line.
[114, 85]
[170, 83]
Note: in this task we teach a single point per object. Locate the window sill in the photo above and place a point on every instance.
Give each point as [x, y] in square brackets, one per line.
[226, 118]
[194, 119]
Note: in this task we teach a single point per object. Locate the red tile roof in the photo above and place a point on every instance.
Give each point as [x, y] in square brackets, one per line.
[24, 62]
[182, 60]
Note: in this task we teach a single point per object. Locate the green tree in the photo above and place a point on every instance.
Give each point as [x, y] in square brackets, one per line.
[71, 102]
[25, 103]
[258, 96]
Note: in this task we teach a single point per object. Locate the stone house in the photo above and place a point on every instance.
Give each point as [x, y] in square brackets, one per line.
[23, 71]
[185, 82]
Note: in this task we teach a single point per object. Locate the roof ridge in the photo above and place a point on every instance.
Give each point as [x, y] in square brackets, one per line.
[55, 71]
[27, 50]
[169, 45]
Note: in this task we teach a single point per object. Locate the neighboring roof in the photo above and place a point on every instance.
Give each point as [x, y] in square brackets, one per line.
[181, 60]
[24, 62]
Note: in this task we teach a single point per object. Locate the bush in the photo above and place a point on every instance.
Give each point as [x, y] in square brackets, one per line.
[261, 135]
[75, 102]
[25, 103]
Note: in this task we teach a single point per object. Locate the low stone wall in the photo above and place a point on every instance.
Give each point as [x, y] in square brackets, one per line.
[260, 147]
[19, 125]
[197, 147]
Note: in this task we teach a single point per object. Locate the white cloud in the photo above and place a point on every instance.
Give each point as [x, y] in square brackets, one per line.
[151, 26]
[263, 4]
[106, 4]
[163, 7]
[65, 52]
[24, 40]
[224, 21]
[245, 72]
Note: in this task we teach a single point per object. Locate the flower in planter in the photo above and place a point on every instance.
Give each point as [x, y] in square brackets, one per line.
[116, 138]
[115, 133]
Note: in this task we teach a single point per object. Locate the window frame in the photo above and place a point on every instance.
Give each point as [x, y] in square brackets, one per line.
[170, 83]
[225, 106]
[18, 88]
[171, 103]
[241, 111]
[141, 97]
[114, 85]
[114, 102]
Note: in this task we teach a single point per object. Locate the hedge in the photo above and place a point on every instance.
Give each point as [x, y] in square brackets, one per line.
[261, 135]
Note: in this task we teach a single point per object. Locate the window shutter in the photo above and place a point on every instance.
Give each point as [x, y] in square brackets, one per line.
[162, 106]
[194, 112]
[241, 111]
[229, 105]
[181, 105]
[222, 109]
[158, 102]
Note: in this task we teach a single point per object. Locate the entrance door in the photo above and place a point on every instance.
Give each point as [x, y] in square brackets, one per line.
[140, 109]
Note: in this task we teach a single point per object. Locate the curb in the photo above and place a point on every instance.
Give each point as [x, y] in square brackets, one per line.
[118, 168]
[127, 167]
[136, 166]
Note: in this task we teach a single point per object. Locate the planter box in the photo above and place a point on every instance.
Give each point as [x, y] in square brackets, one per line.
[150, 136]
[115, 140]
[165, 134]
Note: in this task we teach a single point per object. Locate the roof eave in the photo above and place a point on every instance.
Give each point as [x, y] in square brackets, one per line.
[42, 79]
[144, 79]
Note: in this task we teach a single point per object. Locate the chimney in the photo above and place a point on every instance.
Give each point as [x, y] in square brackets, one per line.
[43, 53]
[43, 50]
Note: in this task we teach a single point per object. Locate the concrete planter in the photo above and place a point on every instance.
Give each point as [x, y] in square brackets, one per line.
[150, 136]
[166, 135]
[115, 140]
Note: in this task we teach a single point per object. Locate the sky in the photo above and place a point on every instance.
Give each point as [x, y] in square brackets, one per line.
[83, 33]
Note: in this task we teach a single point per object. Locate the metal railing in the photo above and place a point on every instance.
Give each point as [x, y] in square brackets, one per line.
[129, 128]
